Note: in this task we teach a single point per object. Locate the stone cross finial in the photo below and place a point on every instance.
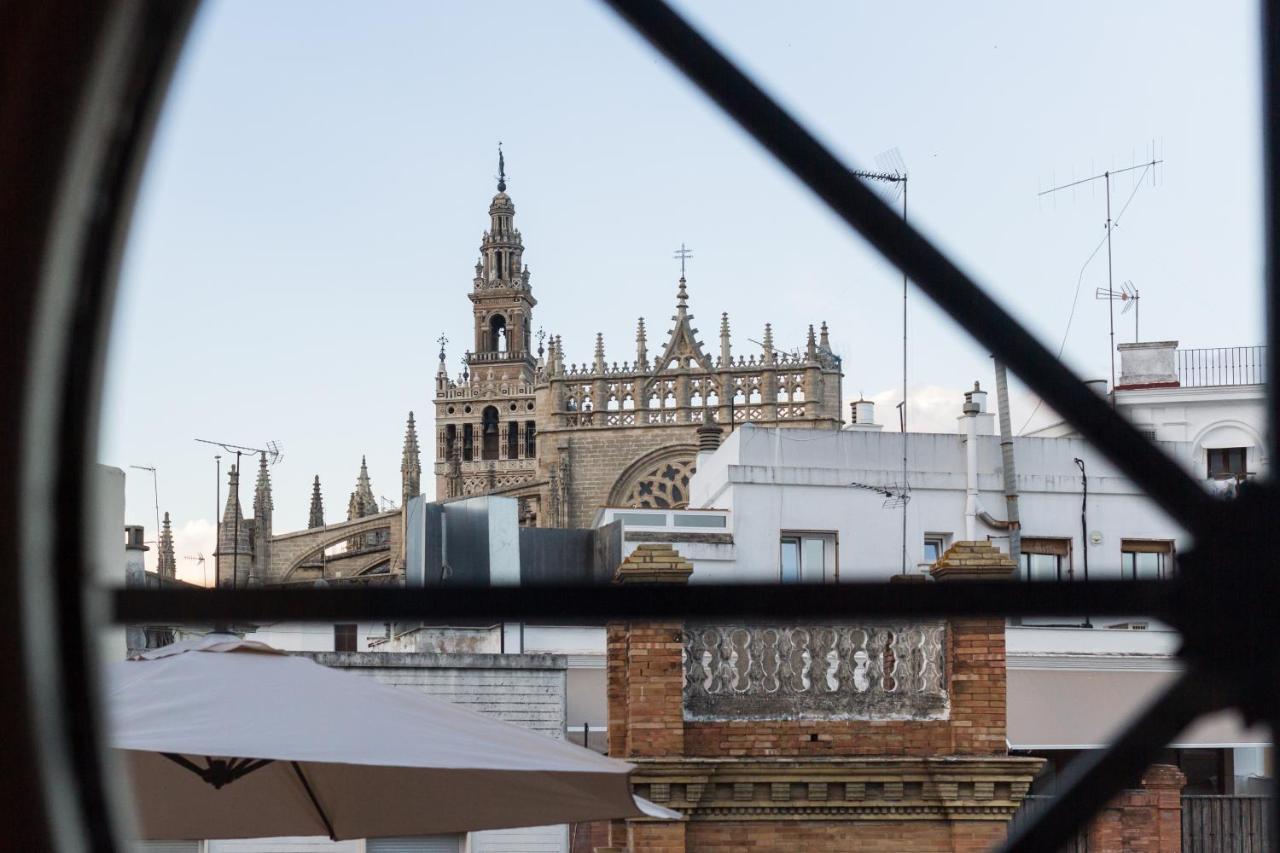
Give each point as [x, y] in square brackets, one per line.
[316, 515]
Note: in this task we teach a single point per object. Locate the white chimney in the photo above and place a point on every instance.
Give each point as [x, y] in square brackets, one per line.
[135, 566]
[975, 404]
[862, 415]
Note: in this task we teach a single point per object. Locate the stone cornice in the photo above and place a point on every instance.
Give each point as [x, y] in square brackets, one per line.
[854, 788]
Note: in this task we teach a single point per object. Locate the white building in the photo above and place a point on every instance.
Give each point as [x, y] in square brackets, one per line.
[779, 506]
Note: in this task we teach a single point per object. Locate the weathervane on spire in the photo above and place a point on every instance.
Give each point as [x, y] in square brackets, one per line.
[502, 170]
[442, 340]
[683, 253]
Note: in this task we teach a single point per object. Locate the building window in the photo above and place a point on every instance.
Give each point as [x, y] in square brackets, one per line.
[1227, 463]
[1146, 559]
[935, 545]
[530, 440]
[513, 440]
[344, 638]
[1046, 559]
[808, 557]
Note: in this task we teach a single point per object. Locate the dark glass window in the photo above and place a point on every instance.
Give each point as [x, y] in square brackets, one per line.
[1227, 462]
[344, 637]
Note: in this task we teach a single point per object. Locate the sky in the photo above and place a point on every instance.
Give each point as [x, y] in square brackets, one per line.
[320, 178]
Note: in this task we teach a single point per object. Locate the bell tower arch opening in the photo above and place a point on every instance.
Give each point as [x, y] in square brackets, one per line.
[489, 433]
[498, 335]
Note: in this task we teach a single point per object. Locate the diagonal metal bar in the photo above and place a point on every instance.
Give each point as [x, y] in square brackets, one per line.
[948, 286]
[1093, 780]
[1271, 198]
[597, 604]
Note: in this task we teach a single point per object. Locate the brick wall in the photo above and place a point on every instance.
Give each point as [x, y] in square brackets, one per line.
[773, 785]
[1143, 820]
[864, 837]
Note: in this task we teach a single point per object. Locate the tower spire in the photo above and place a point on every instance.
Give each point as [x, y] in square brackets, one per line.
[316, 517]
[166, 564]
[410, 464]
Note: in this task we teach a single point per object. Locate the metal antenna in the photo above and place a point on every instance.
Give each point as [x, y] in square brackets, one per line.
[893, 171]
[155, 485]
[199, 558]
[271, 451]
[1106, 177]
[1128, 294]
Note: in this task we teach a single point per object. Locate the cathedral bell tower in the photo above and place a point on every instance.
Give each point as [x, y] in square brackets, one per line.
[500, 296]
[487, 416]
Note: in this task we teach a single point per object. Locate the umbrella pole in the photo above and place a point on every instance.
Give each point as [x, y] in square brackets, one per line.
[314, 800]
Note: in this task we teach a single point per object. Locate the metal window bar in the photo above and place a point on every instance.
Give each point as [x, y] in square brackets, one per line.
[1222, 601]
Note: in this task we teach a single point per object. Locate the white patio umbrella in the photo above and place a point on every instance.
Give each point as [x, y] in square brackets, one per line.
[228, 738]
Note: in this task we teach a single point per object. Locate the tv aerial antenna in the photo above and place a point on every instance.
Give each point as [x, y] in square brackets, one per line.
[155, 488]
[199, 558]
[1127, 294]
[273, 454]
[895, 495]
[1106, 177]
[892, 171]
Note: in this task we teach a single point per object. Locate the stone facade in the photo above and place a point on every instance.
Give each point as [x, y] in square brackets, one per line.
[910, 755]
[568, 438]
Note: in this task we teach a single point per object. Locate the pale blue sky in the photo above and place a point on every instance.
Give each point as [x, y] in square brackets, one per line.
[320, 180]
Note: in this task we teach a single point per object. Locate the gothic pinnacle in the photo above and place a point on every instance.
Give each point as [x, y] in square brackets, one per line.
[642, 346]
[316, 518]
[811, 345]
[599, 359]
[823, 340]
[768, 341]
[166, 564]
[682, 296]
[410, 463]
[726, 353]
[262, 502]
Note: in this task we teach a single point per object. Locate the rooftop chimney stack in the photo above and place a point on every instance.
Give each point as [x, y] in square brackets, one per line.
[862, 416]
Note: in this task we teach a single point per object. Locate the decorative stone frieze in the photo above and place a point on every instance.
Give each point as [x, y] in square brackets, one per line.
[845, 789]
[883, 671]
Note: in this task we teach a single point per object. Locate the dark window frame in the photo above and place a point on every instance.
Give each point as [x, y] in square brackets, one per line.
[67, 256]
[1227, 470]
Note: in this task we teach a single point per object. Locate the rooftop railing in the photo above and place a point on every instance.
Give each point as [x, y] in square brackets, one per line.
[1222, 366]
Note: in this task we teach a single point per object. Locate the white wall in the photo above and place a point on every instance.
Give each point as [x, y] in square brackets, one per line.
[777, 480]
[312, 637]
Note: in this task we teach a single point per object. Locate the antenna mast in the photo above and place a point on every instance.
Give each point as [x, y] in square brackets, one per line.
[894, 172]
[1105, 177]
